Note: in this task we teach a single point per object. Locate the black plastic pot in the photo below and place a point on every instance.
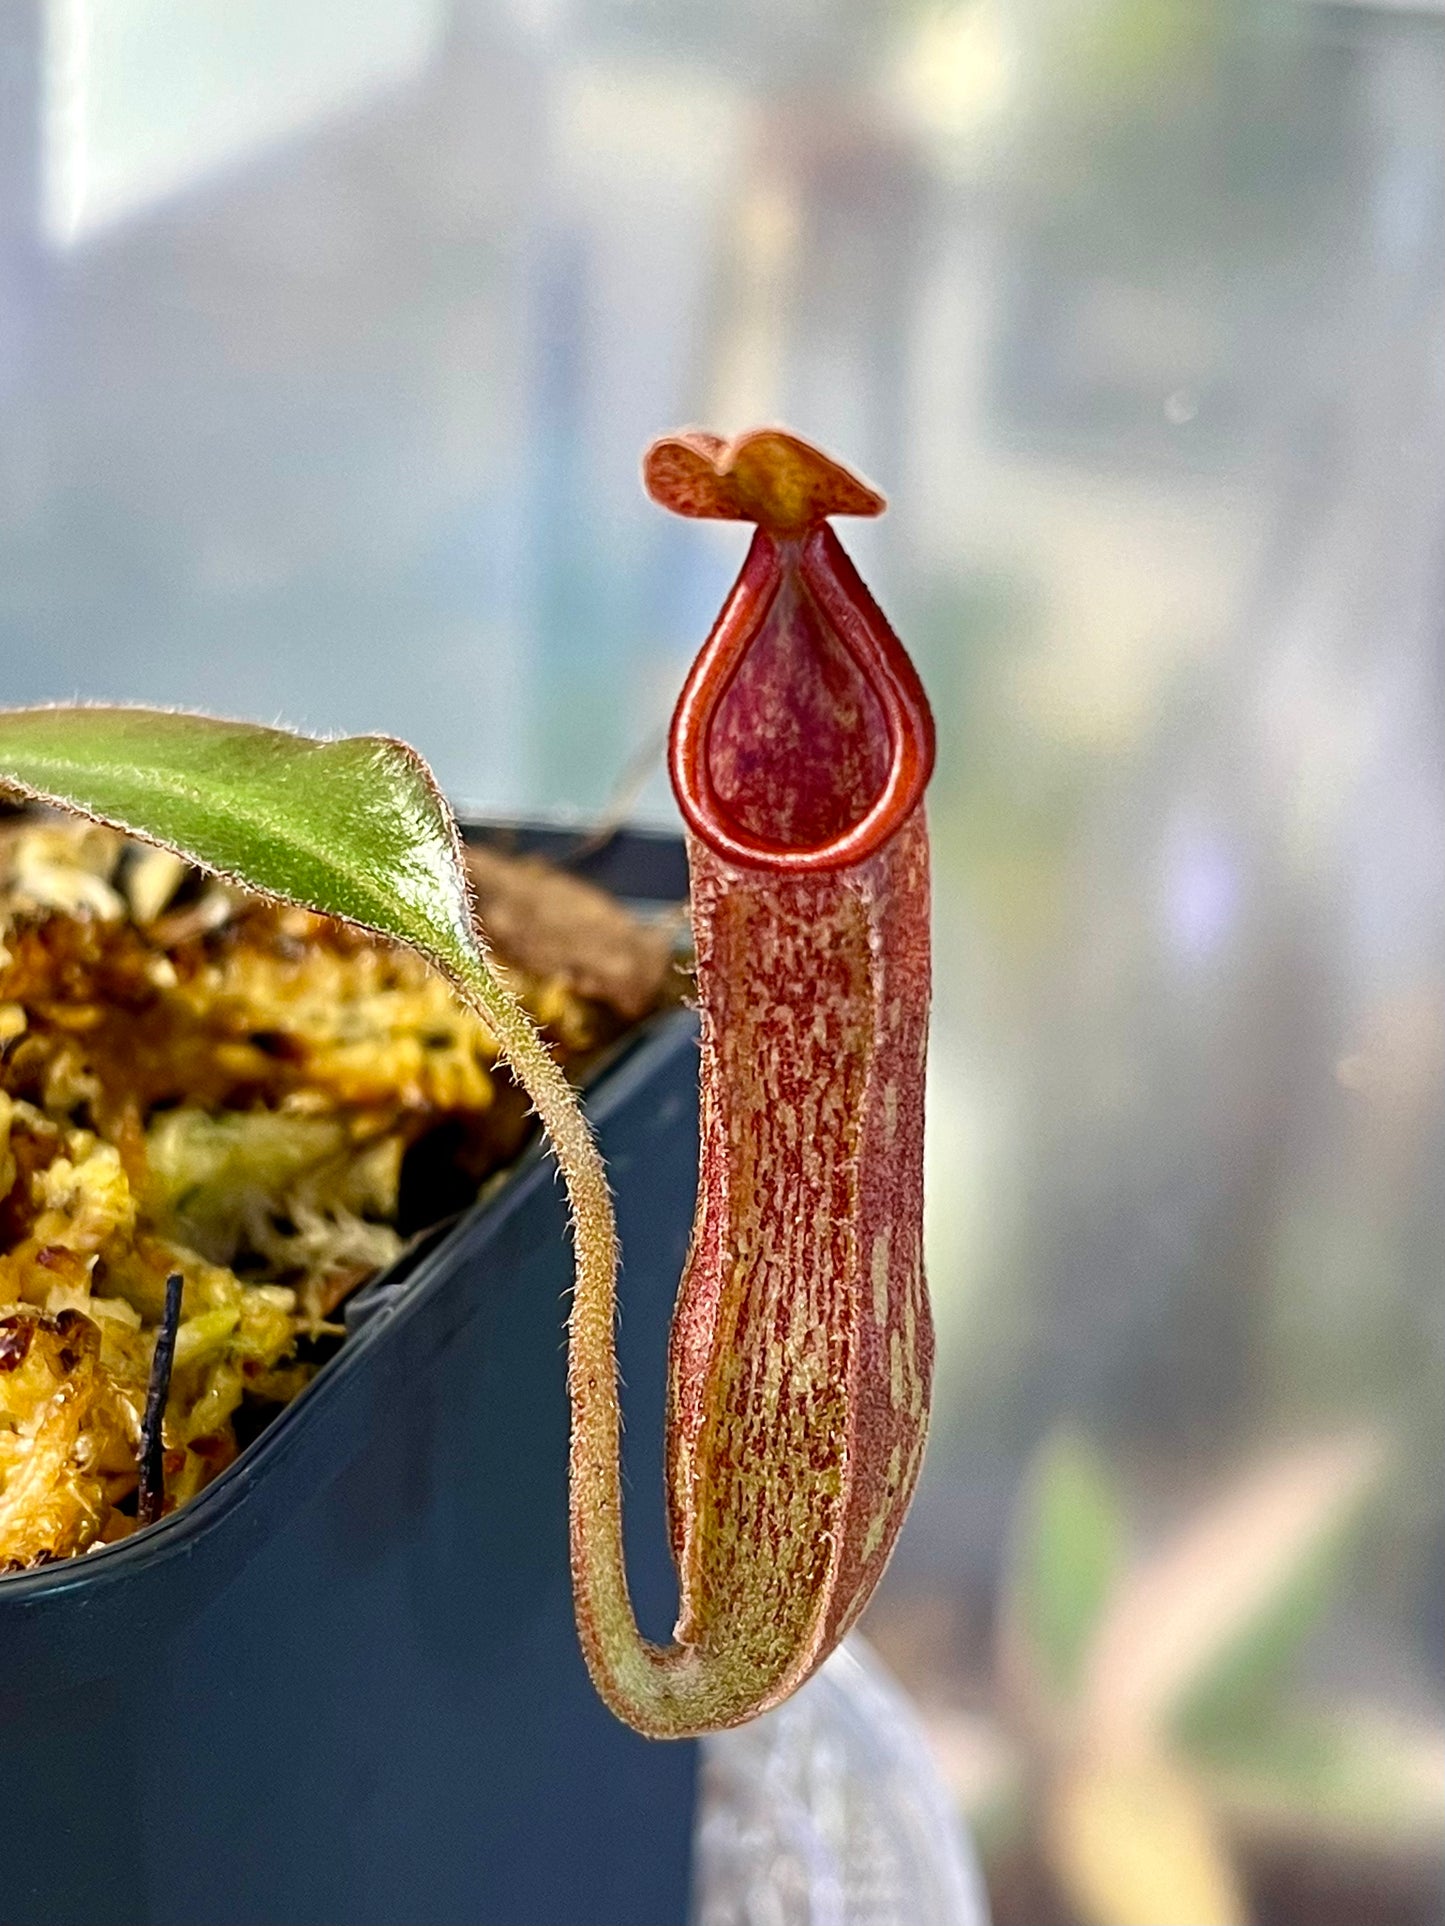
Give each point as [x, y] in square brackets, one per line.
[342, 1687]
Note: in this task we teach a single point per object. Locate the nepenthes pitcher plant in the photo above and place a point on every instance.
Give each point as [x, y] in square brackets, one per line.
[802, 1350]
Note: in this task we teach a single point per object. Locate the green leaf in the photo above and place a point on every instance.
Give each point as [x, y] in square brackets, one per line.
[354, 827]
[1068, 1549]
[1200, 1629]
[1345, 1776]
[1247, 1680]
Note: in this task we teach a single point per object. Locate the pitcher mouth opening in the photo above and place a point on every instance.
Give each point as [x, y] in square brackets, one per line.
[890, 749]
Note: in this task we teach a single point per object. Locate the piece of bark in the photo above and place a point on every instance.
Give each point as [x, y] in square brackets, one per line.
[556, 925]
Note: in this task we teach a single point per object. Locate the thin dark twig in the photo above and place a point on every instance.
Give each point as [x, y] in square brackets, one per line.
[635, 776]
[152, 1468]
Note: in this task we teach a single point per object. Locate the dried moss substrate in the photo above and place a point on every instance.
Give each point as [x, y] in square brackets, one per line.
[263, 1101]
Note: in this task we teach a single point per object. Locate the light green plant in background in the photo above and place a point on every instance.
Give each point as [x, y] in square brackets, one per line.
[1153, 1729]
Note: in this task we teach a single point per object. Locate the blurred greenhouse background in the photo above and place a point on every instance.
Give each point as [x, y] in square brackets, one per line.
[330, 335]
